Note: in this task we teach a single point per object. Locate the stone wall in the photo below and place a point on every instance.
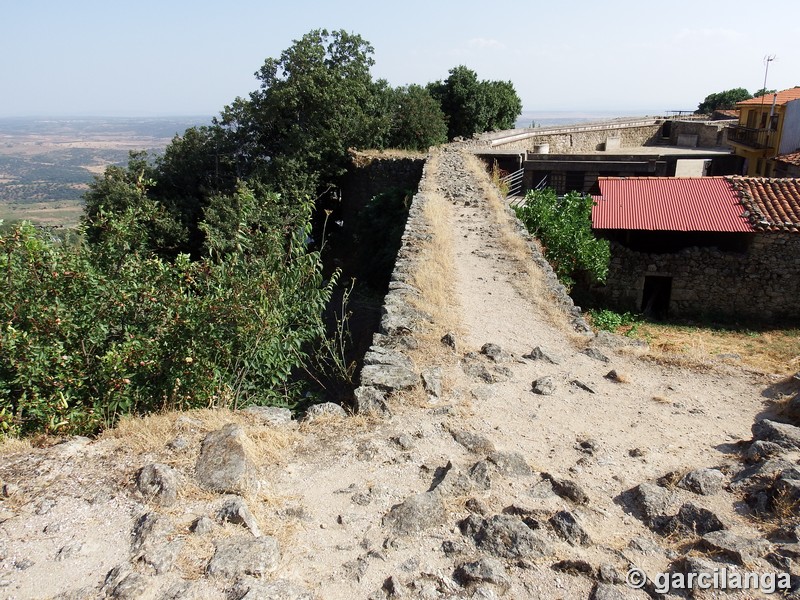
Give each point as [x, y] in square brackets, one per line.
[762, 284]
[370, 174]
[585, 139]
[709, 134]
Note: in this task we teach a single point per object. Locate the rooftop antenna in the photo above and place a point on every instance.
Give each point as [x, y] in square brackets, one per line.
[767, 59]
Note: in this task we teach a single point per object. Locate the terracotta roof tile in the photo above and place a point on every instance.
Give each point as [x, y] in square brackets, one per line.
[793, 158]
[784, 96]
[772, 204]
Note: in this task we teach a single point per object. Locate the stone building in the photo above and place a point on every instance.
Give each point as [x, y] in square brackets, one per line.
[725, 247]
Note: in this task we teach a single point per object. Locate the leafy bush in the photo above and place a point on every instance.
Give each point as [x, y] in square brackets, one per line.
[563, 225]
[609, 320]
[91, 332]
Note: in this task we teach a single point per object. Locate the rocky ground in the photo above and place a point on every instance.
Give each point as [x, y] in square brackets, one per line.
[499, 451]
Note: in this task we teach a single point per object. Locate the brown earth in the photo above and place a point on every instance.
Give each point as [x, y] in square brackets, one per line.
[326, 487]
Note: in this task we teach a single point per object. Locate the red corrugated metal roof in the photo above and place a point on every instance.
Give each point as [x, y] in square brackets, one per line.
[668, 204]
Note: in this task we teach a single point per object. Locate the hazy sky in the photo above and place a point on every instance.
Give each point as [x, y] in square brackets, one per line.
[181, 57]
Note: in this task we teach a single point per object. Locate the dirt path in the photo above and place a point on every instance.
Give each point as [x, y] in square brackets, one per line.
[460, 495]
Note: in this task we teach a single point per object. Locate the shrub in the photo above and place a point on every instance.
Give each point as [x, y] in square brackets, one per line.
[563, 225]
[89, 333]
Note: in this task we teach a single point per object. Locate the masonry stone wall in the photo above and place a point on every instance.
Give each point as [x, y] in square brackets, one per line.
[710, 134]
[578, 141]
[369, 175]
[762, 284]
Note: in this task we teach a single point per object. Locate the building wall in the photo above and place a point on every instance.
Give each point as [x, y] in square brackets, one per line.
[790, 134]
[762, 284]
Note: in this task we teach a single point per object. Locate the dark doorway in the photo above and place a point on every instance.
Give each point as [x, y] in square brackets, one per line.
[666, 129]
[655, 296]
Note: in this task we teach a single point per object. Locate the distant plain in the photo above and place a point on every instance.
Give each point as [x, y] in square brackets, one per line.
[47, 164]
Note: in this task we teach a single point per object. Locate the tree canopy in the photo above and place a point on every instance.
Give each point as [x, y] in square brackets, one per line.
[474, 106]
[728, 99]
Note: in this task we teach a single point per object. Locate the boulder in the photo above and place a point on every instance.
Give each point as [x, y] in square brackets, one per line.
[270, 415]
[568, 528]
[234, 510]
[388, 377]
[545, 386]
[743, 550]
[236, 556]
[539, 353]
[477, 444]
[158, 484]
[782, 434]
[705, 482]
[325, 409]
[224, 464]
[507, 536]
[416, 514]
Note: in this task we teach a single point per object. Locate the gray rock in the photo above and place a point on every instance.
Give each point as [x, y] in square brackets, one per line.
[379, 355]
[705, 482]
[645, 546]
[484, 570]
[158, 484]
[454, 482]
[477, 444]
[595, 354]
[743, 550]
[152, 545]
[566, 488]
[782, 434]
[608, 573]
[760, 450]
[123, 584]
[201, 526]
[149, 530]
[416, 514]
[274, 416]
[405, 441]
[792, 409]
[248, 588]
[370, 400]
[237, 556]
[494, 352]
[325, 409]
[568, 528]
[693, 519]
[388, 377]
[652, 501]
[479, 371]
[480, 473]
[539, 353]
[507, 536]
[605, 591]
[545, 386]
[584, 386]
[432, 381]
[223, 464]
[234, 510]
[510, 463]
[449, 339]
[476, 506]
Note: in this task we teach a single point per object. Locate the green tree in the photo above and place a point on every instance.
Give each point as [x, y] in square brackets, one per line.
[473, 106]
[417, 119]
[722, 100]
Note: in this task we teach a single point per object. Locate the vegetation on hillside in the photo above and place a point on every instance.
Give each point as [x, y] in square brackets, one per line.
[563, 225]
[196, 280]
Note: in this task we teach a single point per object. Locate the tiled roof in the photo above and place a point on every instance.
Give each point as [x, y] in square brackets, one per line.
[668, 204]
[772, 204]
[784, 96]
[793, 158]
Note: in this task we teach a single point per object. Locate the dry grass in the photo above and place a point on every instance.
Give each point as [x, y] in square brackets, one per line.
[14, 445]
[765, 351]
